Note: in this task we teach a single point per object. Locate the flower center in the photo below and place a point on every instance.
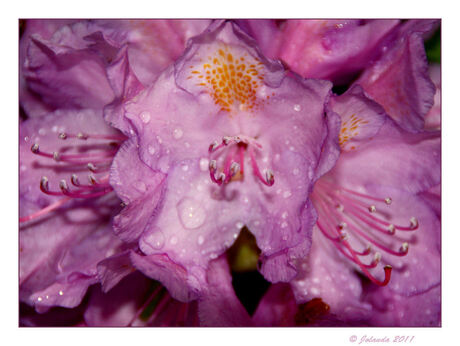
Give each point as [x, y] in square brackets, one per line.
[95, 156]
[232, 160]
[345, 217]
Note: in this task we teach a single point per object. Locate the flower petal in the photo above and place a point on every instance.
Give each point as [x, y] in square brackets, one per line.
[218, 305]
[399, 80]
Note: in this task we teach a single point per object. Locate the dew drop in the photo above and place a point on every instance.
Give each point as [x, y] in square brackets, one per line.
[287, 194]
[239, 225]
[140, 186]
[26, 138]
[39, 299]
[295, 171]
[284, 215]
[297, 108]
[145, 117]
[200, 240]
[284, 225]
[178, 133]
[151, 149]
[191, 214]
[213, 256]
[42, 132]
[61, 293]
[23, 168]
[173, 240]
[185, 168]
[54, 129]
[156, 240]
[204, 164]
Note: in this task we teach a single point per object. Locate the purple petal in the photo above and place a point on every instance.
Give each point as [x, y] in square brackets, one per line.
[399, 80]
[173, 276]
[139, 187]
[218, 305]
[334, 49]
[118, 307]
[295, 140]
[277, 308]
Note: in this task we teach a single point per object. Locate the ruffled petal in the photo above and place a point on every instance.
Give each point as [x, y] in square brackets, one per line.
[334, 49]
[399, 80]
[280, 117]
[361, 117]
[171, 275]
[67, 76]
[141, 190]
[394, 158]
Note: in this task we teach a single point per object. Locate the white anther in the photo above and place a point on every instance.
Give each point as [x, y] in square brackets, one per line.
[372, 209]
[82, 136]
[388, 200]
[212, 165]
[74, 179]
[91, 167]
[226, 139]
[56, 156]
[391, 229]
[404, 248]
[92, 179]
[237, 139]
[413, 223]
[63, 185]
[234, 168]
[222, 176]
[343, 235]
[269, 176]
[342, 225]
[44, 183]
[214, 146]
[35, 148]
[62, 135]
[339, 207]
[377, 257]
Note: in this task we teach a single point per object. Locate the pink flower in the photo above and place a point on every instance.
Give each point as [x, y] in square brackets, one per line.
[224, 138]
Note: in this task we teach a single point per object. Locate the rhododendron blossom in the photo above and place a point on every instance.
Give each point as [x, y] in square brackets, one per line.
[229, 173]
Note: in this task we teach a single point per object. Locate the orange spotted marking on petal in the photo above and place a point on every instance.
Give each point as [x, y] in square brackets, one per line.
[231, 78]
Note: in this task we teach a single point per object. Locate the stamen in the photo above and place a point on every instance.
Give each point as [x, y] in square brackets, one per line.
[388, 200]
[391, 229]
[35, 148]
[404, 248]
[44, 211]
[413, 223]
[82, 136]
[372, 209]
[63, 136]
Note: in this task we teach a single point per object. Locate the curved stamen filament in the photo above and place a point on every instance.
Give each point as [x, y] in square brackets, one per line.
[45, 210]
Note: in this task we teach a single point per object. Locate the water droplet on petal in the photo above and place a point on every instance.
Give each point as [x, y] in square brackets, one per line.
[287, 194]
[297, 108]
[284, 215]
[140, 186]
[200, 240]
[173, 240]
[239, 225]
[185, 168]
[61, 293]
[213, 256]
[284, 225]
[145, 117]
[156, 240]
[295, 171]
[191, 214]
[42, 132]
[151, 149]
[178, 133]
[204, 164]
